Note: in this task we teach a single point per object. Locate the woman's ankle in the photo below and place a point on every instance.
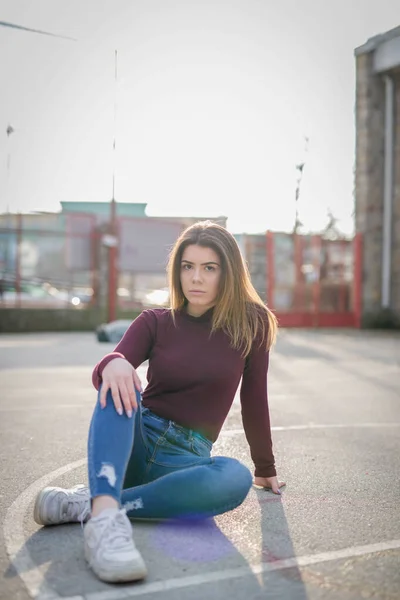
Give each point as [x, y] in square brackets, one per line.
[100, 503]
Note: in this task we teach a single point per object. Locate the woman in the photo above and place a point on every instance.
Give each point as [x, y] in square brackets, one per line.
[149, 454]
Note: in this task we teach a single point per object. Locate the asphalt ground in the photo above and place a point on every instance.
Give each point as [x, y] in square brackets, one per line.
[334, 533]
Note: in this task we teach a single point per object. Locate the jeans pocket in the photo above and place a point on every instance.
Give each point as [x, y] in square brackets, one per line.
[201, 448]
[175, 452]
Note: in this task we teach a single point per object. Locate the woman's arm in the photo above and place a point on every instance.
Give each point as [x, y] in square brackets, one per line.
[135, 345]
[255, 411]
[256, 419]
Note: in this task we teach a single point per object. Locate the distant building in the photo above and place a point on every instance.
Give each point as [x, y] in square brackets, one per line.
[68, 250]
[377, 178]
[102, 209]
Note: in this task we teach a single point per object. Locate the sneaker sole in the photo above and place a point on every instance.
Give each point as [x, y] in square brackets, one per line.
[40, 498]
[124, 573]
[36, 509]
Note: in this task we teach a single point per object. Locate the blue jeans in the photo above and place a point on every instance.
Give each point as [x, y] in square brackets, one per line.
[157, 469]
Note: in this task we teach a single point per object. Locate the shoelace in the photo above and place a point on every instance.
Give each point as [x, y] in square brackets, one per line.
[115, 529]
[78, 507]
[84, 514]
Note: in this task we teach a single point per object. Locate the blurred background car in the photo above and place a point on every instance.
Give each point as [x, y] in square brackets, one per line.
[34, 293]
[113, 331]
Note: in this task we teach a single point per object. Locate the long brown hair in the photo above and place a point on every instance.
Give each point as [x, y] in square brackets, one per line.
[239, 310]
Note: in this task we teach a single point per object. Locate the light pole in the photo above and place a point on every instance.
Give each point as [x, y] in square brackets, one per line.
[298, 240]
[113, 247]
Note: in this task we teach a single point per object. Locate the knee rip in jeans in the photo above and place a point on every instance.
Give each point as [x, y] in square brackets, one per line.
[107, 470]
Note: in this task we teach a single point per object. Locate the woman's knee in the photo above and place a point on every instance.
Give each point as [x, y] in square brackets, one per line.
[236, 477]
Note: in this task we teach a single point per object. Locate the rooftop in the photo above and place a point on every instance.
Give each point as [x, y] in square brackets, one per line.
[374, 42]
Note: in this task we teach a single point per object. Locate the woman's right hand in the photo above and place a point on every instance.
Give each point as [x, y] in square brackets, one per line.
[121, 378]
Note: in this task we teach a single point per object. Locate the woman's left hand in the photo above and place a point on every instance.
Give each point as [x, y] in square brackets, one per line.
[271, 483]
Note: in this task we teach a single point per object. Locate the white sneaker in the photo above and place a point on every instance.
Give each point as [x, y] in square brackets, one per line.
[110, 549]
[54, 505]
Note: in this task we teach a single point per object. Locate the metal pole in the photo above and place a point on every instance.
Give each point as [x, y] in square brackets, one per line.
[9, 132]
[18, 262]
[316, 242]
[270, 250]
[357, 279]
[112, 252]
[112, 266]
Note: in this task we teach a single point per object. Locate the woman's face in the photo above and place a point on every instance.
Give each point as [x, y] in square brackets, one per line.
[200, 278]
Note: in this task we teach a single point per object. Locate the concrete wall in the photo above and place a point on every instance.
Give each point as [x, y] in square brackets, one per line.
[396, 207]
[369, 176]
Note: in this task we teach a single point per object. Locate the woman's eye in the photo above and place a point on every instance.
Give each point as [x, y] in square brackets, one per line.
[210, 268]
[186, 267]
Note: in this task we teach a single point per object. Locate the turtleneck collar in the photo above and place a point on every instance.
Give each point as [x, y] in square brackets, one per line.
[204, 318]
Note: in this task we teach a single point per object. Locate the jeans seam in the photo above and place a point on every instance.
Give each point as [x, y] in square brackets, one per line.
[92, 476]
[181, 429]
[158, 443]
[156, 417]
[142, 432]
[90, 462]
[186, 466]
[202, 445]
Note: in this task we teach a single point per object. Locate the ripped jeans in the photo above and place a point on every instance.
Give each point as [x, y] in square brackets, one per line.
[157, 469]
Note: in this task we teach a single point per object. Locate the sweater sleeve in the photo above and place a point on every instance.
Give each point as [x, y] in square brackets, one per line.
[255, 410]
[135, 345]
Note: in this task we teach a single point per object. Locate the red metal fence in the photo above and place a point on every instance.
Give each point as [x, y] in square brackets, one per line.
[308, 280]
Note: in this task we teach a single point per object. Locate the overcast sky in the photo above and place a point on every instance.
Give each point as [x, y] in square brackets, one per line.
[214, 98]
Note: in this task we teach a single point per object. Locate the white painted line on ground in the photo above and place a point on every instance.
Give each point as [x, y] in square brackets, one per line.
[50, 390]
[7, 372]
[23, 343]
[232, 432]
[228, 574]
[332, 426]
[37, 586]
[44, 408]
[14, 536]
[59, 369]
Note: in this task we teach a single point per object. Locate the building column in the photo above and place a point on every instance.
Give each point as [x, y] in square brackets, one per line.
[370, 120]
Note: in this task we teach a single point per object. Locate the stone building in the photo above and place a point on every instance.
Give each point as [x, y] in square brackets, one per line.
[377, 177]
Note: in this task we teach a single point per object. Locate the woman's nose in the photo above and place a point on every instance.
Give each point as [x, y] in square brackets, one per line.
[196, 274]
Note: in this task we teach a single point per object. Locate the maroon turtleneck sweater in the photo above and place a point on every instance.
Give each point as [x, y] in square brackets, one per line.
[193, 377]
